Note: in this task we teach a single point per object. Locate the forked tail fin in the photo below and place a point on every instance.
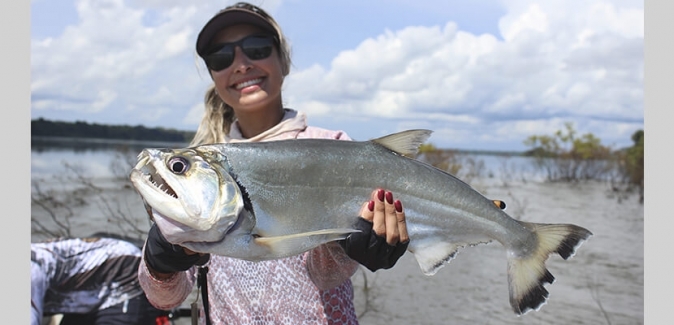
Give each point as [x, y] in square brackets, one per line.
[527, 275]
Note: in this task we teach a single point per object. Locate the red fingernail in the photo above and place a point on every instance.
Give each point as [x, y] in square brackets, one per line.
[398, 205]
[370, 205]
[389, 197]
[380, 195]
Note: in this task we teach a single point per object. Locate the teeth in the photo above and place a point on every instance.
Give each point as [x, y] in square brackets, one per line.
[162, 187]
[248, 83]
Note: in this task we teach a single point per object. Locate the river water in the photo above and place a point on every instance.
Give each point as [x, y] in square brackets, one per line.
[602, 284]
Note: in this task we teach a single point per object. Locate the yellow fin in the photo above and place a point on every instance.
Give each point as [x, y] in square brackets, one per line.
[405, 142]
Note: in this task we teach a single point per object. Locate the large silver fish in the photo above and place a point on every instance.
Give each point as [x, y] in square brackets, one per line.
[268, 200]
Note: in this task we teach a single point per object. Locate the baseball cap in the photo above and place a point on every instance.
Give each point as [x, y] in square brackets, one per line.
[241, 13]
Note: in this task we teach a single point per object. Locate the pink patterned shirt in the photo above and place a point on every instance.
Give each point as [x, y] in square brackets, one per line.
[310, 288]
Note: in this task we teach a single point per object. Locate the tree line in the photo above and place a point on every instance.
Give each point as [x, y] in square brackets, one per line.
[568, 156]
[79, 129]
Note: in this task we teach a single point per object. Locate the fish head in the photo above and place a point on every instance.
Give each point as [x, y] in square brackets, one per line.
[188, 192]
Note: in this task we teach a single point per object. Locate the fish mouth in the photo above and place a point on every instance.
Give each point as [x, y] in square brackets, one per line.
[152, 177]
[150, 184]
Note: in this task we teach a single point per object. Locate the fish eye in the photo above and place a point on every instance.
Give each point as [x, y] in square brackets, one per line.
[178, 165]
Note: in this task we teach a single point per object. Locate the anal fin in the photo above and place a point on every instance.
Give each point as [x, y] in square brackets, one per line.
[432, 257]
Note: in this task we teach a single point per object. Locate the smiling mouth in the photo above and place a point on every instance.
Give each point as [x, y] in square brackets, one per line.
[245, 84]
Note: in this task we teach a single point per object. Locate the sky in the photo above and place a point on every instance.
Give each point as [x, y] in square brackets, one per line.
[482, 74]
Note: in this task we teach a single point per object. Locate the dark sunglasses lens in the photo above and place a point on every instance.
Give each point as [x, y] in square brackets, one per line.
[257, 48]
[221, 59]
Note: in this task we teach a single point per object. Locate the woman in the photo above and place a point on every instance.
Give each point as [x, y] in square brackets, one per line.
[248, 58]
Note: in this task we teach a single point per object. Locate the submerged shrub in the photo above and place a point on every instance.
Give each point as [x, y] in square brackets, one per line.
[566, 157]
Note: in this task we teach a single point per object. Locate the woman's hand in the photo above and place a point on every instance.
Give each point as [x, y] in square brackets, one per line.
[383, 238]
[387, 217]
[164, 259]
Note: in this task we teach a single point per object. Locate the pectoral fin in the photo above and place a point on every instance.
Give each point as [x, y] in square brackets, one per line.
[301, 242]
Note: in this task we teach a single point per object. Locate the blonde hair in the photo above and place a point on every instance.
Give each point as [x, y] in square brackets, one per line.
[219, 116]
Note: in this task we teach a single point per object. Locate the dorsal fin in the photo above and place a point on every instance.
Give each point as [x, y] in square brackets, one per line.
[405, 142]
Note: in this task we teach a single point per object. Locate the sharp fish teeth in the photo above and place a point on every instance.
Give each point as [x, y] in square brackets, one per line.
[143, 160]
[162, 186]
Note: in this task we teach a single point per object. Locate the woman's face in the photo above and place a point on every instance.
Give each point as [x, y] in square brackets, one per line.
[248, 85]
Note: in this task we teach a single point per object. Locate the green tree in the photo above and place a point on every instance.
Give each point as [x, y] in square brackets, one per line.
[566, 156]
[632, 163]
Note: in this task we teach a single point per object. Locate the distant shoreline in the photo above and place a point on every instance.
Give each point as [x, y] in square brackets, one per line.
[45, 128]
[37, 140]
[99, 141]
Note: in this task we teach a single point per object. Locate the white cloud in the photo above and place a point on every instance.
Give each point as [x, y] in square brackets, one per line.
[177, 43]
[122, 60]
[194, 114]
[103, 99]
[556, 61]
[533, 20]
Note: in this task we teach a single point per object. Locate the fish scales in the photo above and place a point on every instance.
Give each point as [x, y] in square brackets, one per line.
[267, 200]
[278, 178]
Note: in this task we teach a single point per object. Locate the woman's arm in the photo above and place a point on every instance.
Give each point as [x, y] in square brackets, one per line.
[329, 266]
[166, 292]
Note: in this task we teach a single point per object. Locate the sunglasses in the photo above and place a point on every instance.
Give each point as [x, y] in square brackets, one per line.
[255, 47]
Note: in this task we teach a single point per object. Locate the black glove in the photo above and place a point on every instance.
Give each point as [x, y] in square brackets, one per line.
[164, 257]
[371, 250]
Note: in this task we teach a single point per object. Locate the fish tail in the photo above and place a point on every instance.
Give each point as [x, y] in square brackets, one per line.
[527, 274]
